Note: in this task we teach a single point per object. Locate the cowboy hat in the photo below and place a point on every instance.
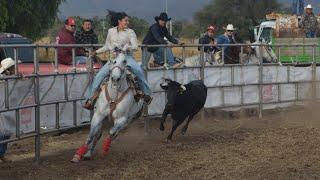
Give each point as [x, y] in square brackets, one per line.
[230, 27]
[308, 6]
[6, 64]
[163, 16]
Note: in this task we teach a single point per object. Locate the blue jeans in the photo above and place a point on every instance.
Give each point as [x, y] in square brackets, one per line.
[311, 34]
[3, 147]
[159, 56]
[81, 59]
[105, 70]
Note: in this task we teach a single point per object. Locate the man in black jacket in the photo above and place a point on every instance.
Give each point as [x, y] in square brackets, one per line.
[156, 34]
[208, 38]
[85, 35]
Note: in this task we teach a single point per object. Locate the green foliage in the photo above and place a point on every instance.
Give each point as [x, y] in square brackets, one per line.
[140, 26]
[243, 14]
[28, 17]
[190, 30]
[177, 28]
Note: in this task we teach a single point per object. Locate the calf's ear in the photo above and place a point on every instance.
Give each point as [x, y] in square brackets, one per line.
[182, 88]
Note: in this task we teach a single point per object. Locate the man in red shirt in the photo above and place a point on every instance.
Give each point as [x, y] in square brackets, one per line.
[66, 36]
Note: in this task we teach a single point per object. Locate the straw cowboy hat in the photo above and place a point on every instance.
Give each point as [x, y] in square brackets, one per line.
[229, 27]
[308, 6]
[6, 64]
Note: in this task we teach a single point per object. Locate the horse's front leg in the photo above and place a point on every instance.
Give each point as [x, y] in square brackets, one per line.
[86, 150]
[119, 124]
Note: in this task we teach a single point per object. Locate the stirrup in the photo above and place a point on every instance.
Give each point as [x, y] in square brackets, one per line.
[89, 105]
[147, 99]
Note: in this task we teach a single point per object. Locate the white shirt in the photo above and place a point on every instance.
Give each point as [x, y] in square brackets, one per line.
[125, 40]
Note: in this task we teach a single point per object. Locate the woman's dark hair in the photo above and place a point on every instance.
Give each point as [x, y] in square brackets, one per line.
[115, 17]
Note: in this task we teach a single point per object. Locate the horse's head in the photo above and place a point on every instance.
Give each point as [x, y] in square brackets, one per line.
[118, 69]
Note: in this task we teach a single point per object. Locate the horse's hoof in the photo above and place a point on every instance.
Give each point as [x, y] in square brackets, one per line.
[183, 132]
[76, 159]
[87, 157]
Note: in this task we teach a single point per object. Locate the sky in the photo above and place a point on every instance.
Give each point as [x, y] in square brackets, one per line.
[146, 9]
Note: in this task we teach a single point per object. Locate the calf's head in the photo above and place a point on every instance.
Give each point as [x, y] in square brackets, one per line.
[173, 89]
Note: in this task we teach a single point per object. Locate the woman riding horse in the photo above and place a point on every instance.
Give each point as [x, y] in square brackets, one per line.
[119, 38]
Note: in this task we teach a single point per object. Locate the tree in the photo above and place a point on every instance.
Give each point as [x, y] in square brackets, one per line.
[140, 26]
[243, 14]
[177, 28]
[190, 30]
[28, 17]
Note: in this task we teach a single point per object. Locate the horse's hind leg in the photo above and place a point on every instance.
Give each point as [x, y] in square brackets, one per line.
[119, 124]
[85, 151]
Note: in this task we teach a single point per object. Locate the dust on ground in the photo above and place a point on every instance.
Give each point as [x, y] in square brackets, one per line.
[282, 145]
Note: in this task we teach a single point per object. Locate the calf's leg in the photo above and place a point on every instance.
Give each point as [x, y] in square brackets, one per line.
[185, 127]
[163, 118]
[175, 125]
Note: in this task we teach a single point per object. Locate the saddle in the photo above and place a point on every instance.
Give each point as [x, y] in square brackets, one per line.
[132, 82]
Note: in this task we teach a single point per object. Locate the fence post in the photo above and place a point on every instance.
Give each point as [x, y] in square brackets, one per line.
[314, 74]
[15, 54]
[166, 65]
[203, 64]
[56, 66]
[260, 82]
[73, 60]
[241, 54]
[37, 102]
[145, 107]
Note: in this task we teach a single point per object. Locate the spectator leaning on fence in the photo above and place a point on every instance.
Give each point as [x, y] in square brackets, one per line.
[226, 38]
[208, 38]
[66, 36]
[7, 125]
[85, 35]
[155, 36]
[309, 22]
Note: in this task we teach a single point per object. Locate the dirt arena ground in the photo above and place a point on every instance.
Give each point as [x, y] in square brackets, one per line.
[282, 145]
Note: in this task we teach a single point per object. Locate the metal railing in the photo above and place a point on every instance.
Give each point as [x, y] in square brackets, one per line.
[203, 67]
[36, 75]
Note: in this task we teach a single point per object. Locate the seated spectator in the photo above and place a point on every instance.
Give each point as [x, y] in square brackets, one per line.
[66, 36]
[156, 34]
[7, 125]
[226, 38]
[208, 38]
[85, 35]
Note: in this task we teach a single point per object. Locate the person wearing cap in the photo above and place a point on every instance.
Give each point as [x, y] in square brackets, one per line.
[226, 38]
[309, 22]
[208, 38]
[7, 125]
[66, 36]
[155, 36]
